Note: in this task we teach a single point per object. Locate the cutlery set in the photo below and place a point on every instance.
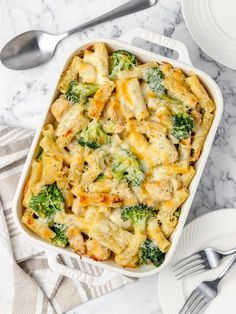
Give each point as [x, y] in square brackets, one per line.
[206, 291]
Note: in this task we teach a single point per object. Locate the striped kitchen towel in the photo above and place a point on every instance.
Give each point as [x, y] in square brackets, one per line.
[27, 285]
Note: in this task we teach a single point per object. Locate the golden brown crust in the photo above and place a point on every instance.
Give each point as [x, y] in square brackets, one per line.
[131, 157]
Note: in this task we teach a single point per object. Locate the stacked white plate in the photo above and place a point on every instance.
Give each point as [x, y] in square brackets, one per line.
[212, 24]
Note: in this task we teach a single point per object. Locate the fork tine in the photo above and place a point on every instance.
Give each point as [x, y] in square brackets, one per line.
[197, 270]
[189, 271]
[186, 259]
[187, 266]
[195, 304]
[191, 304]
[203, 302]
[203, 307]
[188, 302]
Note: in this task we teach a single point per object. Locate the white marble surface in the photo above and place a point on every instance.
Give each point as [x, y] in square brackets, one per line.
[24, 95]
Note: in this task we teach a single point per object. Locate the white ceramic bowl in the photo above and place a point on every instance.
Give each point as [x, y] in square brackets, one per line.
[110, 267]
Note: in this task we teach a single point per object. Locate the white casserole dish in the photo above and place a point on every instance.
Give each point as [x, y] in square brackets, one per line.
[110, 268]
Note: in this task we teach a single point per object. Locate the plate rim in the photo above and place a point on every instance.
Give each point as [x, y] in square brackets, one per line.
[188, 225]
[231, 64]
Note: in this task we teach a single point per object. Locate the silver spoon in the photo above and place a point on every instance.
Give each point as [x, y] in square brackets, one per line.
[34, 48]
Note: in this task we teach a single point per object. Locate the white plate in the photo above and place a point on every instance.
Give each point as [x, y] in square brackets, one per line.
[212, 24]
[215, 229]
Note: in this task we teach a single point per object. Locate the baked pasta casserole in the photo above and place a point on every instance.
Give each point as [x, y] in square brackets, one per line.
[113, 169]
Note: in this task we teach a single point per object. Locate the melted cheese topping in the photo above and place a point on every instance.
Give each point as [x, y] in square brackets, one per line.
[130, 157]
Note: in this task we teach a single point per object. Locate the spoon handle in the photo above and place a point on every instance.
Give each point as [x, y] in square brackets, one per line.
[129, 7]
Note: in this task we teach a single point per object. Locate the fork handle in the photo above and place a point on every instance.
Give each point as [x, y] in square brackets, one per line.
[229, 252]
[227, 268]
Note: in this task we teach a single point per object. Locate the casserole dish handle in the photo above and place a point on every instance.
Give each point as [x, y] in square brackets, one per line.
[167, 42]
[67, 271]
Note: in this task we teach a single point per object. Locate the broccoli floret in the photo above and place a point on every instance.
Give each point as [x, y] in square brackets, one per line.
[149, 253]
[154, 78]
[138, 216]
[49, 201]
[109, 126]
[177, 213]
[121, 60]
[60, 238]
[126, 167]
[182, 125]
[80, 91]
[93, 136]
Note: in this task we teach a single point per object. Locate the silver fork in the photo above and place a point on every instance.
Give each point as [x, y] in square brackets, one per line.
[200, 298]
[203, 260]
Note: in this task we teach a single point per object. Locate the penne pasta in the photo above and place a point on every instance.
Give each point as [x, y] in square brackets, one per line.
[113, 166]
[198, 89]
[69, 75]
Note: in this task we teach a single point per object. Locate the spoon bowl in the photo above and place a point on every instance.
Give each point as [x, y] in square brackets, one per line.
[34, 48]
[29, 49]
